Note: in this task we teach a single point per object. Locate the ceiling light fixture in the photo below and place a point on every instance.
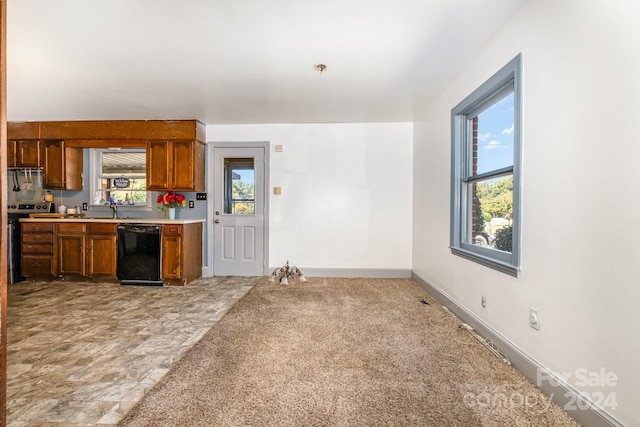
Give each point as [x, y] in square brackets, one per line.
[284, 273]
[321, 68]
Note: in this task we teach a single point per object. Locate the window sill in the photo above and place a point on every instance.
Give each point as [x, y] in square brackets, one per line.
[493, 263]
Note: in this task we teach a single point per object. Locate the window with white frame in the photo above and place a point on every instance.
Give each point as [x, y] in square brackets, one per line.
[485, 184]
[119, 176]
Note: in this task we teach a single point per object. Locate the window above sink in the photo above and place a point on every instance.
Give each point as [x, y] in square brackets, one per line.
[118, 175]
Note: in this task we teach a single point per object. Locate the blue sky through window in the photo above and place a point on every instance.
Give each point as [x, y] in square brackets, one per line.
[495, 136]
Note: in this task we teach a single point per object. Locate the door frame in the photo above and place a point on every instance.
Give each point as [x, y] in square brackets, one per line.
[210, 246]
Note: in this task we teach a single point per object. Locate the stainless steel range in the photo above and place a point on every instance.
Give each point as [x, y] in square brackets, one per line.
[15, 211]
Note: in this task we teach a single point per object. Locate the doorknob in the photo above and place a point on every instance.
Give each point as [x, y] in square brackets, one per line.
[217, 212]
[217, 221]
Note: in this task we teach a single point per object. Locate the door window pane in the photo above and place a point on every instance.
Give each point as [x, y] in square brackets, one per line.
[239, 184]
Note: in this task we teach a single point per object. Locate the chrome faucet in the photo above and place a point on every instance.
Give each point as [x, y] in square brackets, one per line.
[114, 208]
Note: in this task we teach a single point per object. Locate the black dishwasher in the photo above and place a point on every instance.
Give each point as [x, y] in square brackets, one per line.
[139, 260]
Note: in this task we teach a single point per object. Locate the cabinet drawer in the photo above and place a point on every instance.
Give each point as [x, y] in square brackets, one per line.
[71, 228]
[37, 265]
[37, 248]
[102, 228]
[37, 238]
[35, 227]
[172, 230]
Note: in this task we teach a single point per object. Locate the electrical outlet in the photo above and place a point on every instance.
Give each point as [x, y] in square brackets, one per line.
[85, 207]
[201, 196]
[534, 318]
[191, 204]
[484, 301]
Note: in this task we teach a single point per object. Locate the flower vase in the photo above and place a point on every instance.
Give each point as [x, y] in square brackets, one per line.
[172, 213]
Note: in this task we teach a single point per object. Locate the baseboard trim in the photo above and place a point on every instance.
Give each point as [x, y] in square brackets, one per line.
[587, 413]
[371, 273]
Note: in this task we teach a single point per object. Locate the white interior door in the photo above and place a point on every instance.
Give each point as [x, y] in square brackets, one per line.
[239, 211]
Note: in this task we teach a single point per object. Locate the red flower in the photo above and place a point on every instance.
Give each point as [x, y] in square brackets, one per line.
[171, 200]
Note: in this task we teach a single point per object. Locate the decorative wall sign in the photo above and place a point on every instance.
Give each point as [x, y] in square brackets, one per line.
[121, 182]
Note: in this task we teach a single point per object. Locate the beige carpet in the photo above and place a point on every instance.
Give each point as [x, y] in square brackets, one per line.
[342, 352]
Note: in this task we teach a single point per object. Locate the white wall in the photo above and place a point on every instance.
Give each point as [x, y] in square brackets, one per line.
[581, 193]
[346, 192]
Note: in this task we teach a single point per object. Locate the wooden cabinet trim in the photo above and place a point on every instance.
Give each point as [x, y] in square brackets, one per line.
[120, 129]
[72, 228]
[102, 228]
[23, 130]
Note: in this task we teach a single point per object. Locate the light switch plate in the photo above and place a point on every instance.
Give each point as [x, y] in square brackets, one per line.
[201, 196]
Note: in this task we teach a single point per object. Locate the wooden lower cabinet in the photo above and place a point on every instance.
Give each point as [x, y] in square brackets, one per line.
[86, 249]
[38, 249]
[102, 250]
[181, 253]
[71, 248]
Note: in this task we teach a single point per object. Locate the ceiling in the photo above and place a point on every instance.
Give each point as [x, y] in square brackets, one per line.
[239, 61]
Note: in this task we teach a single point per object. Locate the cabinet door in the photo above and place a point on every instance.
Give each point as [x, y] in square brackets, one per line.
[171, 257]
[53, 164]
[182, 165]
[71, 259]
[71, 253]
[28, 154]
[62, 166]
[101, 255]
[158, 165]
[11, 154]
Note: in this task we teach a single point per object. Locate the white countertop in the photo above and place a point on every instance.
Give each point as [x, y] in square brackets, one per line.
[117, 220]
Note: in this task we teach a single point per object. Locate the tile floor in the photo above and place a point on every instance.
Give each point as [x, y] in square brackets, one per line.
[85, 353]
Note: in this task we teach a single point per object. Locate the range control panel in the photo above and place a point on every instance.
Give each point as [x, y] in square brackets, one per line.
[29, 207]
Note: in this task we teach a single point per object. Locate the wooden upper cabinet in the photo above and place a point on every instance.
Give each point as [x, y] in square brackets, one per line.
[158, 165]
[53, 154]
[183, 165]
[28, 154]
[62, 166]
[23, 154]
[175, 165]
[23, 147]
[11, 154]
[175, 149]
